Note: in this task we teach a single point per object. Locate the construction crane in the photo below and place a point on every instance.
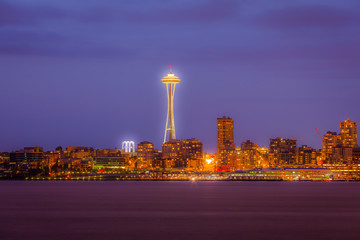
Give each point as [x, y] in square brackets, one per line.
[317, 130]
[300, 139]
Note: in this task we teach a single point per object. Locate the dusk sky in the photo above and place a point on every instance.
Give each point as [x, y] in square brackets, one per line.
[87, 73]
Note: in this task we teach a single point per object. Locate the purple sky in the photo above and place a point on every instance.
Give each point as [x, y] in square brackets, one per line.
[88, 72]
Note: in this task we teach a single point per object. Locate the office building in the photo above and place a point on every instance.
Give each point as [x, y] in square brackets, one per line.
[348, 134]
[183, 153]
[306, 155]
[111, 163]
[225, 142]
[282, 151]
[27, 159]
[331, 140]
[145, 155]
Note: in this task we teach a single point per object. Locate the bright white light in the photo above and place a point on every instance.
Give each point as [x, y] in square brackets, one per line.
[209, 160]
[128, 146]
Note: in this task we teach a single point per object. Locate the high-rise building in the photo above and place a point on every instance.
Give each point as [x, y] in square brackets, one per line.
[193, 148]
[145, 152]
[248, 155]
[306, 155]
[248, 145]
[170, 80]
[225, 141]
[251, 156]
[330, 141]
[183, 153]
[342, 155]
[158, 161]
[282, 151]
[348, 133]
[263, 154]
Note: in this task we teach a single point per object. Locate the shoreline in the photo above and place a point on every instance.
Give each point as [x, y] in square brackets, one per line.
[162, 180]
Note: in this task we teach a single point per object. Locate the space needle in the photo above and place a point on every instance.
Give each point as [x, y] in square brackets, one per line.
[170, 80]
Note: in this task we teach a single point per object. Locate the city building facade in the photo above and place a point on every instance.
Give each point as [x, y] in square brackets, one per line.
[282, 151]
[225, 142]
[183, 153]
[348, 134]
[29, 158]
[145, 155]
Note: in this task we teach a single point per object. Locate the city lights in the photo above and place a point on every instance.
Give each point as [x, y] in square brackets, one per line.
[170, 80]
[282, 160]
[128, 146]
[209, 161]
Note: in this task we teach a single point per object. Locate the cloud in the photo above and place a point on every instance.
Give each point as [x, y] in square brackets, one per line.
[208, 11]
[48, 44]
[76, 52]
[308, 16]
[48, 30]
[10, 15]
[326, 61]
[17, 15]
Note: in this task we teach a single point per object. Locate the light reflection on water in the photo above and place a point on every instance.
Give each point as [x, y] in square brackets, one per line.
[179, 210]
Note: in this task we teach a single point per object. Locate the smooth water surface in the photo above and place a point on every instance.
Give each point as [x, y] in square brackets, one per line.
[179, 210]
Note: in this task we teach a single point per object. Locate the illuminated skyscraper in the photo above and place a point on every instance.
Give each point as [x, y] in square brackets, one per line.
[248, 156]
[145, 152]
[348, 133]
[330, 141]
[306, 155]
[282, 151]
[183, 153]
[170, 80]
[225, 140]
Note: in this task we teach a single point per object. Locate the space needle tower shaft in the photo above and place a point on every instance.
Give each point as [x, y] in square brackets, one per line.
[170, 80]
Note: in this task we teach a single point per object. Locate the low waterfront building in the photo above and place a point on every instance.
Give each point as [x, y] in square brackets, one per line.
[356, 155]
[29, 158]
[287, 174]
[349, 172]
[109, 163]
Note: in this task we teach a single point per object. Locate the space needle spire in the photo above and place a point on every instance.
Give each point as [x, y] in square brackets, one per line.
[170, 80]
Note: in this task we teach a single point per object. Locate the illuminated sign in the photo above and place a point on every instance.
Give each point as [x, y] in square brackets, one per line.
[128, 146]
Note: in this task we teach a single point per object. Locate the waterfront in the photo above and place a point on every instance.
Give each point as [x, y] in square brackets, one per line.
[179, 210]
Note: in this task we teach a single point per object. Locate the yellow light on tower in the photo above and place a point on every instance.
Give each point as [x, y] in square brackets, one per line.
[170, 80]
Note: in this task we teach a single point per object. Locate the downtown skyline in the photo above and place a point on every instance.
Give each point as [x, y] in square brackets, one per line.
[60, 91]
[260, 140]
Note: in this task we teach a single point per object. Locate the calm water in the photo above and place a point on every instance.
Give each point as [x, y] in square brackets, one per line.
[179, 210]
